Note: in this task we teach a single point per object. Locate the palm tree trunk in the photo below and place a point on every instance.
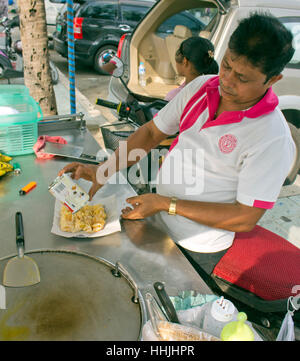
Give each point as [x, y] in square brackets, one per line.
[37, 76]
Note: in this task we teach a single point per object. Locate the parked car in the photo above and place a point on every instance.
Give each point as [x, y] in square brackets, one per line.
[155, 42]
[98, 27]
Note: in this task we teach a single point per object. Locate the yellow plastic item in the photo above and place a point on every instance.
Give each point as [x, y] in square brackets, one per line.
[4, 165]
[237, 330]
[5, 158]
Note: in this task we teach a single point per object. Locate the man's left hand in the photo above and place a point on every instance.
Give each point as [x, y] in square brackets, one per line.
[145, 205]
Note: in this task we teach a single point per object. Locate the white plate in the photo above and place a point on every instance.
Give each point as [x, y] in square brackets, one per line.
[112, 224]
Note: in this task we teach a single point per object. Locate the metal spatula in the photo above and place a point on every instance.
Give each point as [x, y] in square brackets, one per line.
[22, 270]
[71, 151]
[65, 150]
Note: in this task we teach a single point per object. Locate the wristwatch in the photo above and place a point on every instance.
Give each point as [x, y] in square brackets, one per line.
[172, 207]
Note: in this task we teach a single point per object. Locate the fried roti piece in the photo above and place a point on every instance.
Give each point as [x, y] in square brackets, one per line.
[90, 218]
[177, 332]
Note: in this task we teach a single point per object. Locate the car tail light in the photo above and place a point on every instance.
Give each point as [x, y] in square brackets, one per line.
[77, 26]
[120, 45]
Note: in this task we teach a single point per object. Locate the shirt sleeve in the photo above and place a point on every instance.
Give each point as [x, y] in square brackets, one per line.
[264, 171]
[168, 118]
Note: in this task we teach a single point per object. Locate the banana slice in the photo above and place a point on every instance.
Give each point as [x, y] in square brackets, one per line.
[90, 218]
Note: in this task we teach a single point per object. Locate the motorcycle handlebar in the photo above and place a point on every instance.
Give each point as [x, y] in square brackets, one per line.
[10, 23]
[138, 113]
[123, 109]
[107, 104]
[14, 22]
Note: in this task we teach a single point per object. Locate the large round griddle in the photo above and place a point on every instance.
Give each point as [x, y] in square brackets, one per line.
[78, 298]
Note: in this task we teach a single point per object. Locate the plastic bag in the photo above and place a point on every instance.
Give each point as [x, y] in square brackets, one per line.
[189, 299]
[286, 332]
[196, 317]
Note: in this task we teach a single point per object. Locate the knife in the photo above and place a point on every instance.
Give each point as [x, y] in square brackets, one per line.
[166, 302]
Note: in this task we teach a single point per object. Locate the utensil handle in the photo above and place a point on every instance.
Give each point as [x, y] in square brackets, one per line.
[88, 156]
[166, 302]
[152, 315]
[20, 234]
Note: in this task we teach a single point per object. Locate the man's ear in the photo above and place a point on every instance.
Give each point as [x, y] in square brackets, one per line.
[274, 79]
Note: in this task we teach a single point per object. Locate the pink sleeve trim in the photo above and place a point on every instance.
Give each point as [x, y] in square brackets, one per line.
[262, 204]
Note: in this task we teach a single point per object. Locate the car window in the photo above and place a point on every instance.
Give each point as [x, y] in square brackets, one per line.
[293, 24]
[194, 19]
[97, 10]
[64, 9]
[133, 13]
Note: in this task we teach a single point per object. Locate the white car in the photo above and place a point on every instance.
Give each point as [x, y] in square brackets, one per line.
[157, 37]
[52, 8]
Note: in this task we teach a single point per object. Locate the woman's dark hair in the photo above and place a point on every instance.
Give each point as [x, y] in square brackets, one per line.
[200, 52]
[264, 41]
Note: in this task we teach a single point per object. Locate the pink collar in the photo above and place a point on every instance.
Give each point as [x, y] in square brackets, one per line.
[266, 105]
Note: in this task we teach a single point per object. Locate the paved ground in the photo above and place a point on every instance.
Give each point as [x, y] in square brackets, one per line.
[284, 218]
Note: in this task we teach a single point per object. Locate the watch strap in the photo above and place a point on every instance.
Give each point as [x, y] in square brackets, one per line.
[172, 207]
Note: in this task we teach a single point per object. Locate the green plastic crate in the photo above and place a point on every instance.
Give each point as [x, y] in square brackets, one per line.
[12, 89]
[18, 131]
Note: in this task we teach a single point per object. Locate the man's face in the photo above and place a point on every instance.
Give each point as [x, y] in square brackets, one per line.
[241, 83]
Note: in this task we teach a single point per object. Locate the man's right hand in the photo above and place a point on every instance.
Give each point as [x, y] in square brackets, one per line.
[85, 171]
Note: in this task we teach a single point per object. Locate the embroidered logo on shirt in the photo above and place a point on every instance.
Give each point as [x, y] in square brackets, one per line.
[227, 143]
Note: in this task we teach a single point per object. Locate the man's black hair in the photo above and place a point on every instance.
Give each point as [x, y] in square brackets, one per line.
[264, 41]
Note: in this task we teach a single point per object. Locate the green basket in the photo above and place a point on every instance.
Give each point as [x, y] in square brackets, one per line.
[13, 89]
[19, 115]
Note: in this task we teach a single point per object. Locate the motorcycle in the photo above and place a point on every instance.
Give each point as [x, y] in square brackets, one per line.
[135, 111]
[9, 55]
[267, 315]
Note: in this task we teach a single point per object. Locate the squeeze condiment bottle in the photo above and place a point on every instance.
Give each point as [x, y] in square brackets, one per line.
[237, 330]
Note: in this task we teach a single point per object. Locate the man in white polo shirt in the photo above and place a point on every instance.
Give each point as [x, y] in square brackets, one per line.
[233, 152]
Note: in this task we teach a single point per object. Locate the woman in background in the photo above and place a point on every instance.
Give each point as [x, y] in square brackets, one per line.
[194, 57]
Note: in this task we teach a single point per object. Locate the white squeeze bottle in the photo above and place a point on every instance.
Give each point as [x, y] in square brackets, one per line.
[217, 314]
[142, 74]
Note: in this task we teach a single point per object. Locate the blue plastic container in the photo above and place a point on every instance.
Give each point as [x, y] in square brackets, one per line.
[19, 115]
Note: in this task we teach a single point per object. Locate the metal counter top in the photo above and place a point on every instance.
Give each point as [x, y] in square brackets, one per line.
[147, 253]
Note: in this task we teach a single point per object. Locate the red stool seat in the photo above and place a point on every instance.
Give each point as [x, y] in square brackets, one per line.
[263, 263]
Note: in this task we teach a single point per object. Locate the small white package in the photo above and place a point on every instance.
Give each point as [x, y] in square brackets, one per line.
[69, 193]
